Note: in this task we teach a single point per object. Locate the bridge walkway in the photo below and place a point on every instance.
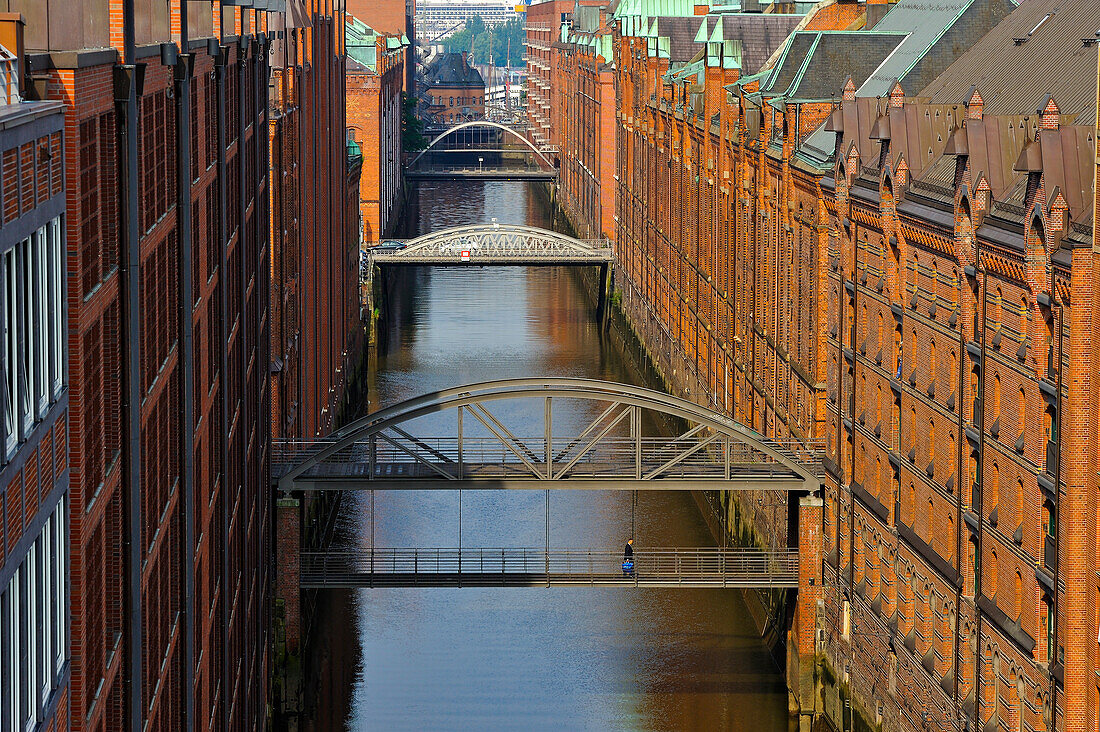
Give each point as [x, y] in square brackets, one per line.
[738, 567]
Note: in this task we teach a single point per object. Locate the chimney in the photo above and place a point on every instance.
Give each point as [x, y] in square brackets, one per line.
[465, 60]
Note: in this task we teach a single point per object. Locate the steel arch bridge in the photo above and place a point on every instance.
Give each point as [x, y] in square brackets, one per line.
[390, 450]
[539, 152]
[496, 244]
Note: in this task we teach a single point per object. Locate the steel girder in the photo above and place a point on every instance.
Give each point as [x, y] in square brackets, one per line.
[388, 450]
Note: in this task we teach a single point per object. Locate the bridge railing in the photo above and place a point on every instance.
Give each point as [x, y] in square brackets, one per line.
[737, 566]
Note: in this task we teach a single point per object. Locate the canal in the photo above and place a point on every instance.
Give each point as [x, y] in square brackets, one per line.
[562, 658]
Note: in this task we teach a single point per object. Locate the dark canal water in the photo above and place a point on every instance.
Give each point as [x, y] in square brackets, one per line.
[500, 659]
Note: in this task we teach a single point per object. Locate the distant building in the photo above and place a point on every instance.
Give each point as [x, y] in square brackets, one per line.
[376, 63]
[454, 91]
[545, 87]
[436, 19]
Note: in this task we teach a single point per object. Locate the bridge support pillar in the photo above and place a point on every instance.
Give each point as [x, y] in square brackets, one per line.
[806, 520]
[288, 546]
[602, 295]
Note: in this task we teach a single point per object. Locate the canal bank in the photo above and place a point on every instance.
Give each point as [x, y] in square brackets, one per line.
[523, 658]
[754, 518]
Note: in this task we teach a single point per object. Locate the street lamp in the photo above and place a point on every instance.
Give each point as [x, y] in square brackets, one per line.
[479, 161]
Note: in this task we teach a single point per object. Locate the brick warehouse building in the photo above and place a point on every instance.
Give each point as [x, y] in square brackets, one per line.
[453, 90]
[545, 87]
[169, 127]
[34, 478]
[587, 90]
[375, 74]
[730, 209]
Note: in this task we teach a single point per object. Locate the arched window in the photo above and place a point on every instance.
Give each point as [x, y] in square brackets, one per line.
[1019, 502]
[995, 310]
[932, 363]
[1018, 595]
[993, 489]
[932, 444]
[1021, 411]
[1046, 613]
[996, 414]
[991, 576]
[971, 565]
[935, 285]
[881, 345]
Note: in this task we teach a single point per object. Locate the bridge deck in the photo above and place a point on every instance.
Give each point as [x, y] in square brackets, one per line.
[458, 173]
[481, 567]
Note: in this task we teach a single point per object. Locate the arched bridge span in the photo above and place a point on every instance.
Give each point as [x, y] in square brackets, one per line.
[540, 153]
[495, 244]
[466, 443]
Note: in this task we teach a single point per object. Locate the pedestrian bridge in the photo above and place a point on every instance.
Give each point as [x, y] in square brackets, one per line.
[540, 567]
[494, 244]
[484, 136]
[458, 438]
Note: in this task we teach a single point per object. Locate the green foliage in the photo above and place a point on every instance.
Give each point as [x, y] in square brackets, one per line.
[412, 127]
[501, 45]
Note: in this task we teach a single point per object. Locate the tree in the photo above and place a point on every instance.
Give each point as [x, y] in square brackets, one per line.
[412, 127]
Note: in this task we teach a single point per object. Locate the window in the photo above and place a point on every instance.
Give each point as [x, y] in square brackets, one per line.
[32, 353]
[33, 608]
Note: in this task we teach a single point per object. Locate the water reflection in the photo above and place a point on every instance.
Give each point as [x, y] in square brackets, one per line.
[560, 658]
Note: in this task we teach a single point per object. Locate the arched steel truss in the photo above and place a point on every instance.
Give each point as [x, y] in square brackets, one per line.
[497, 244]
[388, 450]
[484, 123]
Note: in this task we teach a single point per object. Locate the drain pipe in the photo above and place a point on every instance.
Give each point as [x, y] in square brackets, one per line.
[183, 69]
[128, 78]
[220, 52]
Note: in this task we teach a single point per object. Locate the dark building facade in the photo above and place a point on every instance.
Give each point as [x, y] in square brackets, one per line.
[162, 156]
[34, 399]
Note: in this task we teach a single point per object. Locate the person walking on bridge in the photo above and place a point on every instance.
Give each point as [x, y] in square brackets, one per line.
[628, 558]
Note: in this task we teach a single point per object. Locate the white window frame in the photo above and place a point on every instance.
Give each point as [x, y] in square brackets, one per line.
[11, 381]
[56, 276]
[40, 322]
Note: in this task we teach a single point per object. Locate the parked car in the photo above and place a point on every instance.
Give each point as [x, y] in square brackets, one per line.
[390, 245]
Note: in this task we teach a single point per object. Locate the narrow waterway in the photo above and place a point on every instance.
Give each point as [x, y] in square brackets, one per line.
[562, 658]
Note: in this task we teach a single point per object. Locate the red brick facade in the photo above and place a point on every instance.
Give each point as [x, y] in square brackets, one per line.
[34, 429]
[545, 88]
[927, 316]
[586, 86]
[271, 267]
[374, 123]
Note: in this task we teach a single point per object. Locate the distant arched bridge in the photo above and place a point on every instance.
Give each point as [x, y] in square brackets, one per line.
[489, 133]
[493, 244]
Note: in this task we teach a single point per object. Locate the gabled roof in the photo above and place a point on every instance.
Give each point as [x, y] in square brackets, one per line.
[938, 32]
[759, 33]
[816, 64]
[1044, 47]
[450, 70]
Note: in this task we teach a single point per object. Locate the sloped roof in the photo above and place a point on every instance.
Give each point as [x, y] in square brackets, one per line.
[680, 33]
[1037, 50]
[939, 31]
[816, 64]
[760, 34]
[360, 41]
[450, 70]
